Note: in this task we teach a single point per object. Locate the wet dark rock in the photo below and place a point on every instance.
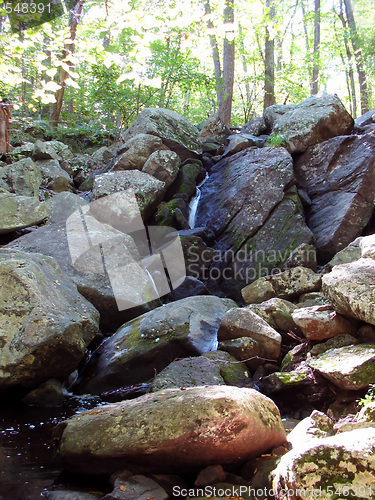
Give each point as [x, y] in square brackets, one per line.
[144, 346]
[339, 177]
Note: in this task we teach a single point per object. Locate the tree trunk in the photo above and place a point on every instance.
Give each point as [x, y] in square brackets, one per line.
[315, 71]
[225, 110]
[215, 57]
[358, 57]
[269, 60]
[349, 56]
[75, 15]
[307, 43]
[5, 117]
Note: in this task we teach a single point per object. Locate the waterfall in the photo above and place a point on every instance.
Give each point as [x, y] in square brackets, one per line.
[193, 205]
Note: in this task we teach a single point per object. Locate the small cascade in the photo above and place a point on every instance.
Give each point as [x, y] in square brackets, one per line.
[193, 205]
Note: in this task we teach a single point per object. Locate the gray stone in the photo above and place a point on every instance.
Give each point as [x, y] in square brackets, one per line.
[209, 425]
[242, 322]
[163, 165]
[340, 341]
[339, 177]
[54, 176]
[316, 119]
[188, 372]
[239, 142]
[135, 152]
[136, 487]
[349, 367]
[341, 466]
[43, 151]
[45, 324]
[62, 205]
[350, 288]
[22, 178]
[214, 128]
[88, 273]
[366, 119]
[277, 313]
[288, 285]
[256, 126]
[147, 344]
[176, 132]
[284, 381]
[148, 190]
[304, 255]
[232, 371]
[18, 212]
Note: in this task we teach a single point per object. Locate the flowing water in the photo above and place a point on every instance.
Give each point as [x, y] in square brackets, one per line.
[193, 205]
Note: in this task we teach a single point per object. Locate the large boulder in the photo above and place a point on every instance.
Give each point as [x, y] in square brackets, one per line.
[339, 178]
[257, 225]
[135, 152]
[18, 212]
[349, 367]
[340, 466]
[87, 272]
[176, 132]
[316, 119]
[22, 178]
[45, 324]
[172, 430]
[148, 190]
[147, 344]
[350, 289]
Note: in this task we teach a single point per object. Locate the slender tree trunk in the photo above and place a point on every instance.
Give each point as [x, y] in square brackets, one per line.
[350, 62]
[5, 118]
[315, 71]
[269, 59]
[307, 43]
[364, 92]
[225, 110]
[244, 64]
[215, 56]
[75, 15]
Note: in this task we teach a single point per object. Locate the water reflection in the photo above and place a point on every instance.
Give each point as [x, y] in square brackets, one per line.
[28, 465]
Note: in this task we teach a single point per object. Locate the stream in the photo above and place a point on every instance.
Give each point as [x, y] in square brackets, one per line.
[28, 465]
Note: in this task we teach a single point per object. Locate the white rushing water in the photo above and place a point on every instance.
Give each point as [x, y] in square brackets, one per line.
[193, 205]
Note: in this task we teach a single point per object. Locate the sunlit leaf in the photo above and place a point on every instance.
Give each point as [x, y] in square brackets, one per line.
[51, 72]
[52, 86]
[72, 83]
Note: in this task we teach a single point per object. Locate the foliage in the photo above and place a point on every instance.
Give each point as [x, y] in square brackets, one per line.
[369, 397]
[133, 54]
[276, 141]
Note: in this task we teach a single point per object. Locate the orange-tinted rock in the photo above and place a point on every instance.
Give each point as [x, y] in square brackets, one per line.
[172, 429]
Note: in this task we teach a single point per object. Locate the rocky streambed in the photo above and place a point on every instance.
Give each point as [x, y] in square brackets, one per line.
[125, 374]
